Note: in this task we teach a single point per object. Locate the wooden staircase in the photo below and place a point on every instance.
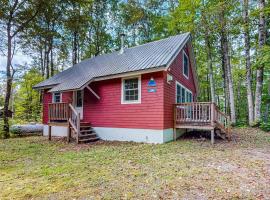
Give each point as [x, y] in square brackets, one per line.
[81, 131]
[87, 133]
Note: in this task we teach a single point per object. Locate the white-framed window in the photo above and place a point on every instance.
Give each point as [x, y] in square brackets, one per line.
[185, 65]
[131, 90]
[57, 97]
[183, 94]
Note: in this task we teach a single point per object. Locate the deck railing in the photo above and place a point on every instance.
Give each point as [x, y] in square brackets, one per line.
[193, 112]
[58, 112]
[200, 114]
[74, 122]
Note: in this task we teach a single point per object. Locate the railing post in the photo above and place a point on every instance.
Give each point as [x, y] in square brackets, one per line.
[50, 133]
[174, 121]
[212, 114]
[78, 127]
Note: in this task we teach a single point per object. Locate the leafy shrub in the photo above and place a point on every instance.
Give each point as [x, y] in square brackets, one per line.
[15, 130]
[265, 126]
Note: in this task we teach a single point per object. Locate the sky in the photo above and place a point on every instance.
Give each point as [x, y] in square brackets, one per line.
[19, 58]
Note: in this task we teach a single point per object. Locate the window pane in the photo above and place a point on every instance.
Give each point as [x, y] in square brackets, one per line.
[79, 99]
[56, 97]
[131, 89]
[183, 93]
[186, 65]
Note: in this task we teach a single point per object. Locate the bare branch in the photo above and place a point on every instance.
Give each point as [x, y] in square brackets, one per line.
[23, 25]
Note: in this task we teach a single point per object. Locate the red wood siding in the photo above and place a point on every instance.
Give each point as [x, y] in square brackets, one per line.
[154, 112]
[176, 70]
[109, 112]
[47, 98]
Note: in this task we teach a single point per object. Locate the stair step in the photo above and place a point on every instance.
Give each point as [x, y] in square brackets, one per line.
[85, 131]
[89, 139]
[85, 123]
[88, 135]
[85, 127]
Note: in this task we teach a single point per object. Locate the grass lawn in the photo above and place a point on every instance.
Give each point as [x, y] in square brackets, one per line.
[33, 168]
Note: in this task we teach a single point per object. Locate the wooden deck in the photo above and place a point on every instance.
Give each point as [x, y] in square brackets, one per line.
[201, 116]
[64, 114]
[194, 115]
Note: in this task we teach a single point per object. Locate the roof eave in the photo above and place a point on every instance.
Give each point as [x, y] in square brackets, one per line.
[120, 75]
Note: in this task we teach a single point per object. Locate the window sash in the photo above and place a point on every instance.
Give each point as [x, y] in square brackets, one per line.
[183, 95]
[79, 98]
[185, 65]
[131, 90]
[56, 97]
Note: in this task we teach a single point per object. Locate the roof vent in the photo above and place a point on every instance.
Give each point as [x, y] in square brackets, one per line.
[122, 35]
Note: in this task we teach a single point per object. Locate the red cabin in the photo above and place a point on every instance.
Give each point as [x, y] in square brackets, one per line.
[145, 93]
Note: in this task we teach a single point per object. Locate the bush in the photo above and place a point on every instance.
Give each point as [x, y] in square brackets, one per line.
[265, 126]
[15, 130]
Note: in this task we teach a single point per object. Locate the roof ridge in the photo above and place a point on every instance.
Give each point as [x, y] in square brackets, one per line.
[159, 40]
[140, 45]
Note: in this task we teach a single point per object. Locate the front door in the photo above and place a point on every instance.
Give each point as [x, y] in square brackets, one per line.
[78, 103]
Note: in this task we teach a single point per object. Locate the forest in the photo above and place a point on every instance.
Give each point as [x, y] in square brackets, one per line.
[231, 41]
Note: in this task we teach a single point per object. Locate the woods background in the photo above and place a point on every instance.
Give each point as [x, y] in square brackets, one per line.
[230, 38]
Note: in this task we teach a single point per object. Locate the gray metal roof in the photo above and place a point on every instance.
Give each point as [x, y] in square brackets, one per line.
[147, 56]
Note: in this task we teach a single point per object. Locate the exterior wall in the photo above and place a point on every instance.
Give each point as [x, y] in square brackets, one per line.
[135, 135]
[176, 70]
[57, 131]
[109, 112]
[149, 121]
[47, 98]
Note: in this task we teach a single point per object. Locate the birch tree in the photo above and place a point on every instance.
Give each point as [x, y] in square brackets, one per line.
[260, 69]
[248, 63]
[224, 43]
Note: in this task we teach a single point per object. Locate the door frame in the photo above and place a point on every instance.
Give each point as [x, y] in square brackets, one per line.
[78, 109]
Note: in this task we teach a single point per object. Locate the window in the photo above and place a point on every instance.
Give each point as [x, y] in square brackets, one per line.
[56, 97]
[79, 98]
[185, 65]
[183, 95]
[131, 90]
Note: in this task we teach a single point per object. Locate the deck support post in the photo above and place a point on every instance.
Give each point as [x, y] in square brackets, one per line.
[50, 133]
[174, 134]
[212, 136]
[69, 134]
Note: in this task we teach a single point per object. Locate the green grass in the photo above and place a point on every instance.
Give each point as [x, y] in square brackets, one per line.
[33, 168]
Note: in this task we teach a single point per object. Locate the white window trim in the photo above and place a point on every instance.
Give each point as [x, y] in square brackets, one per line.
[139, 92]
[186, 90]
[185, 54]
[60, 97]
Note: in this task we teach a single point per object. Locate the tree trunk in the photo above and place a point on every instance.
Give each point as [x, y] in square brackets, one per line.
[227, 65]
[259, 71]
[74, 49]
[238, 97]
[8, 82]
[248, 64]
[51, 60]
[210, 67]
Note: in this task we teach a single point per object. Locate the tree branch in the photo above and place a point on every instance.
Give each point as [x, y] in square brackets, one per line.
[23, 25]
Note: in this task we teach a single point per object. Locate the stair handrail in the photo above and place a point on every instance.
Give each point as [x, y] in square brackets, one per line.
[223, 121]
[74, 121]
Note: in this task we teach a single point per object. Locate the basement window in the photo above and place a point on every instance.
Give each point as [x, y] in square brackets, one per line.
[56, 98]
[131, 90]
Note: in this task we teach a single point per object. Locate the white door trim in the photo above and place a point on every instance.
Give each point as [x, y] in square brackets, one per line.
[78, 109]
